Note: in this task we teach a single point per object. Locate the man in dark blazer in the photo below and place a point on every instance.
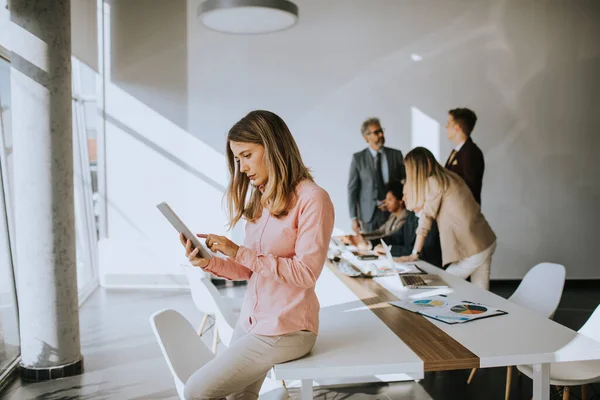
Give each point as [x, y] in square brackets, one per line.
[466, 159]
[370, 171]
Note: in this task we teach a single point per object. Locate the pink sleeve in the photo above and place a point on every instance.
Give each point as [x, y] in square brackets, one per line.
[315, 225]
[228, 269]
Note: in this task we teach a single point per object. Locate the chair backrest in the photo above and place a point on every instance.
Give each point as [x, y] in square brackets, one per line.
[181, 346]
[202, 299]
[541, 289]
[207, 296]
[591, 328]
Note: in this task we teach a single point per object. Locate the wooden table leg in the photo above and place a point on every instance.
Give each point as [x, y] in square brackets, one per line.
[202, 324]
[508, 382]
[471, 375]
[215, 340]
[585, 392]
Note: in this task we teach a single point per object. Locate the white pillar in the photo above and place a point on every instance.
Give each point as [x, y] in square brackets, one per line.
[43, 188]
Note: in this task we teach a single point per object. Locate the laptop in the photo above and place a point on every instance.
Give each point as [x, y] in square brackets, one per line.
[414, 281]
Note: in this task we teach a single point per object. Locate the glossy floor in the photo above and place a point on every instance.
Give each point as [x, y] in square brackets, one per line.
[123, 361]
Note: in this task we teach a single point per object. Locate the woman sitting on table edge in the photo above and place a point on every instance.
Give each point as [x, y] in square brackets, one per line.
[289, 221]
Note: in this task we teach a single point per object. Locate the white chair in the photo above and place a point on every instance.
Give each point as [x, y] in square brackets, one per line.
[577, 373]
[206, 307]
[208, 300]
[184, 351]
[207, 296]
[539, 291]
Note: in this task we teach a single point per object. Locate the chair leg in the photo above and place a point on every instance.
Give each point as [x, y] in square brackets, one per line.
[215, 340]
[566, 393]
[471, 375]
[202, 324]
[508, 382]
[585, 392]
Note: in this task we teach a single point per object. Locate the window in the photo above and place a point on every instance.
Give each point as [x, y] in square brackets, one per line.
[9, 322]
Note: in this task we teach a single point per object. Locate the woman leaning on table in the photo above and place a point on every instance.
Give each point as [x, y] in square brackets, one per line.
[289, 221]
[466, 238]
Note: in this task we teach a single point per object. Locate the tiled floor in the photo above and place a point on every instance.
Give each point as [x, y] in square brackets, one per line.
[123, 361]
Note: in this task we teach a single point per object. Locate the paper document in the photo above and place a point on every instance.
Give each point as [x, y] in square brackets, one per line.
[448, 310]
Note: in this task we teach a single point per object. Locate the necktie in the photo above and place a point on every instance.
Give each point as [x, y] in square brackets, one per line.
[451, 158]
[379, 178]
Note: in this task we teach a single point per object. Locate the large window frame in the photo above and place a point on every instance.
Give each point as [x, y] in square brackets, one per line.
[7, 210]
[86, 228]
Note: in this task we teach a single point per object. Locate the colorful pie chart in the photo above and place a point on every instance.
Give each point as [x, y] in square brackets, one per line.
[429, 303]
[468, 309]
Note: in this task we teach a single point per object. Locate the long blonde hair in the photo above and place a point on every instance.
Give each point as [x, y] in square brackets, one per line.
[421, 165]
[282, 159]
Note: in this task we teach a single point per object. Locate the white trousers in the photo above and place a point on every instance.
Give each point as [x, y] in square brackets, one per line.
[476, 266]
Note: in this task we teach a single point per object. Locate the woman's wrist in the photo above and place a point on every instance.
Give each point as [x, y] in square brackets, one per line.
[206, 262]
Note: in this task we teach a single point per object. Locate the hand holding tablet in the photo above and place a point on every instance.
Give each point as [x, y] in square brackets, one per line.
[186, 234]
[193, 253]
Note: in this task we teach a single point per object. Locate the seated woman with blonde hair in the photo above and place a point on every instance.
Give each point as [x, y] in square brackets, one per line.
[467, 240]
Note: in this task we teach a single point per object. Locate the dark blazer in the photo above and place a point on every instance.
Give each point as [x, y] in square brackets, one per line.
[362, 188]
[469, 165]
[402, 241]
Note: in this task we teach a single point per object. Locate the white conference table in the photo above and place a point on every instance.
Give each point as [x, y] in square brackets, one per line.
[356, 340]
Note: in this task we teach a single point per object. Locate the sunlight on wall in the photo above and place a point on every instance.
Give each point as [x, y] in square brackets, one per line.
[149, 159]
[424, 132]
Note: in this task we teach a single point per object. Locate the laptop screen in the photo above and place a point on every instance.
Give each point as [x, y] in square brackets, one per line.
[388, 254]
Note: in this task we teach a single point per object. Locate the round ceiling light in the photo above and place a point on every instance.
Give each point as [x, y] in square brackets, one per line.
[248, 16]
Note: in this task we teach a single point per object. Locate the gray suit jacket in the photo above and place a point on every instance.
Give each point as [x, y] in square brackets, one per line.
[362, 190]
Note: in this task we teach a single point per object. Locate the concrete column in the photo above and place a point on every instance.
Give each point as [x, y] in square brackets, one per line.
[43, 185]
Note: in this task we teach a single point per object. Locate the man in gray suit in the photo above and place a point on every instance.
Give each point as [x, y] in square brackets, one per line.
[370, 171]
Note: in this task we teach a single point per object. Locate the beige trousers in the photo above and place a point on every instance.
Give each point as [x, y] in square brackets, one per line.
[477, 267]
[239, 371]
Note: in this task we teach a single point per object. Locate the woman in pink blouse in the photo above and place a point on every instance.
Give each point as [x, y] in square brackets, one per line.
[289, 221]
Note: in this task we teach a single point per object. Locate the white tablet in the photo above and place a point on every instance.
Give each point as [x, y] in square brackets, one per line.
[203, 252]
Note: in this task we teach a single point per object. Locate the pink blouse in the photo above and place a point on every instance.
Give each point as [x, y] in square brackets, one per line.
[282, 259]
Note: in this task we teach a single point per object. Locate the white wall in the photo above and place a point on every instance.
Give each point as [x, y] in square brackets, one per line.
[84, 28]
[149, 54]
[84, 41]
[530, 71]
[4, 20]
[150, 159]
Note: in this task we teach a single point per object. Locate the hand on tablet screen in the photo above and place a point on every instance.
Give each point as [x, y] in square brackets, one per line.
[220, 243]
[192, 254]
